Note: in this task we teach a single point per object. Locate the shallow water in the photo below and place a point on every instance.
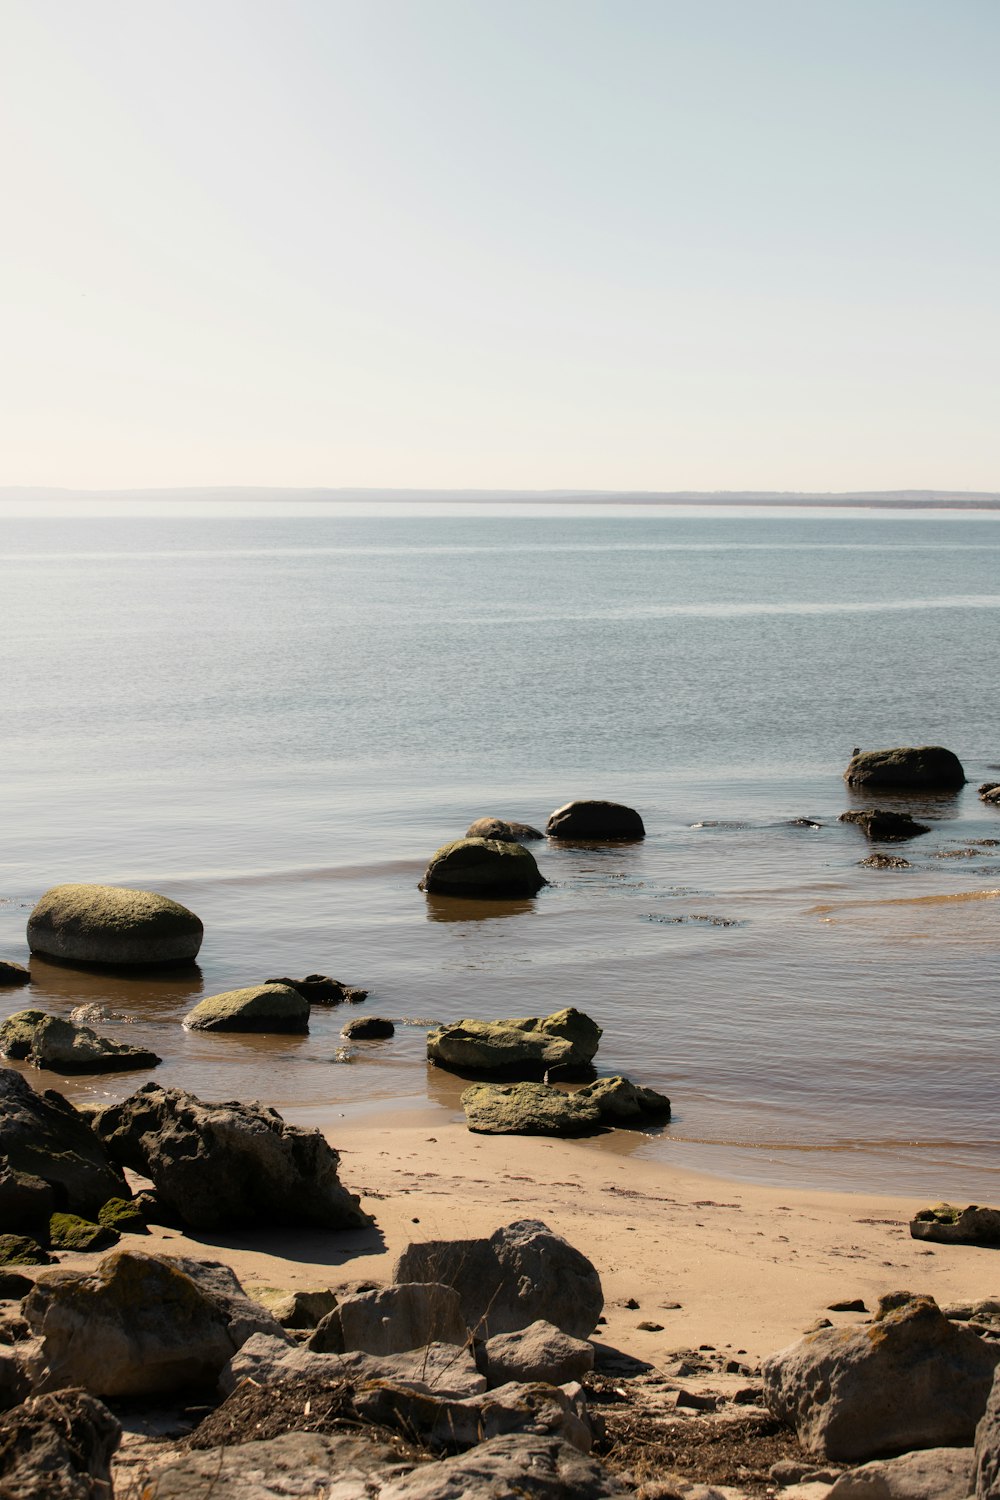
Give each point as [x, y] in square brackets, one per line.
[276, 718]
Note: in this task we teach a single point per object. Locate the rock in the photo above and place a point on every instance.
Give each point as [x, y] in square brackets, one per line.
[328, 1466]
[848, 1304]
[13, 1287]
[987, 1451]
[503, 829]
[522, 1273]
[990, 792]
[561, 1044]
[42, 1135]
[527, 1465]
[444, 1424]
[320, 989]
[70, 1232]
[483, 868]
[885, 862]
[957, 1226]
[122, 1215]
[931, 1474]
[301, 1309]
[154, 1211]
[911, 1379]
[141, 1325]
[21, 1250]
[12, 974]
[261, 1007]
[921, 768]
[58, 1447]
[15, 1384]
[527, 1109]
[26, 1202]
[595, 822]
[881, 826]
[50, 1042]
[232, 1165]
[619, 1099]
[539, 1352]
[370, 1028]
[393, 1320]
[444, 1369]
[110, 924]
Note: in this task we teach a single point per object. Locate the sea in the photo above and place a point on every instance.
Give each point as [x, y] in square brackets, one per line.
[276, 712]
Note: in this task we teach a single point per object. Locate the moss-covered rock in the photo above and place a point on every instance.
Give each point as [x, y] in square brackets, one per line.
[918, 768]
[525, 1047]
[21, 1250]
[261, 1007]
[595, 822]
[57, 1045]
[950, 1225]
[527, 1109]
[122, 1215]
[483, 868]
[69, 1232]
[110, 924]
[620, 1099]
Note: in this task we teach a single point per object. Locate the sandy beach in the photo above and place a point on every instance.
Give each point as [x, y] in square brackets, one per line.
[751, 1267]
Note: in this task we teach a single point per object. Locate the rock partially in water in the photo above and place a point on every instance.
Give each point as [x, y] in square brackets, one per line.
[917, 768]
[885, 862]
[44, 1136]
[503, 829]
[950, 1225]
[110, 924]
[595, 821]
[371, 1028]
[526, 1047]
[55, 1044]
[275, 1008]
[990, 792]
[528, 1109]
[494, 868]
[12, 974]
[881, 826]
[618, 1098]
[320, 989]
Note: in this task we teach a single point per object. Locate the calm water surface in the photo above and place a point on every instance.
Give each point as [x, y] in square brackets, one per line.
[275, 716]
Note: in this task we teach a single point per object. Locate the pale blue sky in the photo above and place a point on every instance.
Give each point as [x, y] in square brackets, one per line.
[722, 244]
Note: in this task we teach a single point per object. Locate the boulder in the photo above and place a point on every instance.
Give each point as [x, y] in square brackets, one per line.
[26, 1202]
[327, 1466]
[531, 1466]
[320, 989]
[141, 1325]
[58, 1447]
[881, 826]
[911, 1379]
[12, 974]
[562, 1045]
[70, 1232]
[393, 1320]
[445, 1369]
[950, 1225]
[595, 822]
[521, 1273]
[929, 1474]
[50, 1042]
[445, 1424]
[527, 1109]
[22, 1250]
[908, 768]
[503, 829]
[110, 924]
[368, 1028]
[42, 1135]
[483, 868]
[13, 1286]
[539, 1352]
[260, 1007]
[620, 1099]
[300, 1309]
[122, 1215]
[990, 792]
[987, 1452]
[228, 1166]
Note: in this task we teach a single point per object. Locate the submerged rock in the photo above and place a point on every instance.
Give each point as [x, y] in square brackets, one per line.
[881, 826]
[110, 924]
[262, 1007]
[923, 768]
[885, 862]
[504, 829]
[483, 868]
[44, 1136]
[371, 1028]
[950, 1225]
[525, 1047]
[12, 974]
[50, 1042]
[320, 989]
[528, 1109]
[619, 1099]
[595, 821]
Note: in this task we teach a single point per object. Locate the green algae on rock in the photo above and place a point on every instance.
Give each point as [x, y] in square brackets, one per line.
[924, 768]
[123, 1215]
[528, 1109]
[50, 1042]
[21, 1250]
[70, 1232]
[260, 1007]
[111, 924]
[525, 1047]
[483, 867]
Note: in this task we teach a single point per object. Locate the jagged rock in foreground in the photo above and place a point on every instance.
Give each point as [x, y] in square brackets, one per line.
[521, 1047]
[528, 1109]
[525, 1465]
[111, 924]
[393, 1320]
[44, 1136]
[504, 829]
[232, 1165]
[483, 868]
[950, 1225]
[444, 1424]
[911, 1379]
[523, 1272]
[928, 1474]
[919, 768]
[50, 1042]
[988, 1448]
[595, 821]
[884, 827]
[58, 1447]
[276, 1008]
[539, 1352]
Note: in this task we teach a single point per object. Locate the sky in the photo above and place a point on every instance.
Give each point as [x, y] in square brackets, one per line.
[594, 244]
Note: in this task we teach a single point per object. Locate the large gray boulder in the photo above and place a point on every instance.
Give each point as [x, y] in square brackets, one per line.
[483, 867]
[928, 1474]
[912, 1379]
[392, 1320]
[539, 1352]
[595, 822]
[950, 1225]
[50, 1042]
[260, 1007]
[43, 1136]
[445, 1369]
[531, 1466]
[111, 924]
[907, 768]
[58, 1447]
[987, 1468]
[528, 1109]
[523, 1047]
[523, 1272]
[227, 1166]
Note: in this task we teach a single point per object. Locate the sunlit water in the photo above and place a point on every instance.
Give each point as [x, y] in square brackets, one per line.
[275, 717]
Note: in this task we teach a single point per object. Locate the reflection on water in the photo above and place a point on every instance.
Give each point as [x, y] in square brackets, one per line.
[464, 909]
